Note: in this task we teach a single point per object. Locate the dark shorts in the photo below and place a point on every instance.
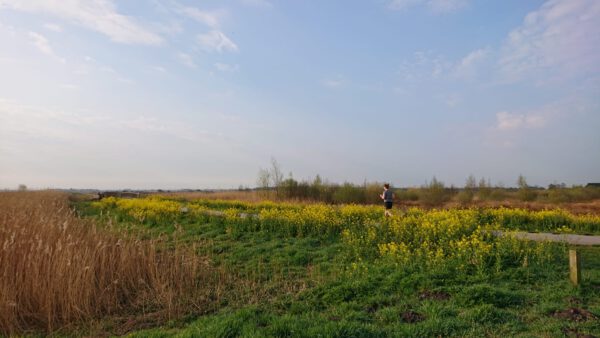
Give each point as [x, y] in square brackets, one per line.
[388, 205]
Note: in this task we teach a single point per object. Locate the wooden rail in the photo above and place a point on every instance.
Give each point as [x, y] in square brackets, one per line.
[574, 258]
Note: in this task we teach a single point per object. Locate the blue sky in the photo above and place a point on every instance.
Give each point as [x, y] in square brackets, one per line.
[202, 94]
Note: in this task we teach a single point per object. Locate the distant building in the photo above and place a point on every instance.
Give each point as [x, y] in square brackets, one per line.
[593, 185]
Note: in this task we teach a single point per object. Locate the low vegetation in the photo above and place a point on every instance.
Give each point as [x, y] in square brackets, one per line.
[303, 270]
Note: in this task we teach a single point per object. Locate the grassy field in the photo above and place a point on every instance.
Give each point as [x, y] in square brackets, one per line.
[309, 270]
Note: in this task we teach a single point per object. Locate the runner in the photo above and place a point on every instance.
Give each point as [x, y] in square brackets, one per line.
[388, 199]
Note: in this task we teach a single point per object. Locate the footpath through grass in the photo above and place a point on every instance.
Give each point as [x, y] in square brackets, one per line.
[349, 284]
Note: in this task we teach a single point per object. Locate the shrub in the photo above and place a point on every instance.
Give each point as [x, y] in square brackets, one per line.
[409, 194]
[349, 193]
[434, 193]
[484, 189]
[527, 194]
[372, 192]
[559, 195]
[497, 194]
[465, 197]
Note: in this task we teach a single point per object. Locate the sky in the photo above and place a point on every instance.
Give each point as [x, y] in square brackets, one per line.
[203, 94]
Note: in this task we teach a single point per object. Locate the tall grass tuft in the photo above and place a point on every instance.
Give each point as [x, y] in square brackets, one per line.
[57, 270]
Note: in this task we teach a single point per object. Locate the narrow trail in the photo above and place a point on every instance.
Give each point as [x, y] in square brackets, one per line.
[542, 237]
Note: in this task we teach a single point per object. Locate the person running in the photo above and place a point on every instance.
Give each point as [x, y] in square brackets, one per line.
[388, 199]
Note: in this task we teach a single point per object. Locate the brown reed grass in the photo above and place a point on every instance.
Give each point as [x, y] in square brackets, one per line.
[57, 270]
[246, 196]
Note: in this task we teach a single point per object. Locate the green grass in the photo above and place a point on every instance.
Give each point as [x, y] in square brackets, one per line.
[307, 287]
[375, 304]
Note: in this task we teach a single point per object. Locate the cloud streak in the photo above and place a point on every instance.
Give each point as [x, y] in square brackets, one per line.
[43, 45]
[257, 3]
[216, 41]
[224, 67]
[186, 60]
[435, 6]
[559, 41]
[467, 66]
[209, 18]
[506, 121]
[53, 27]
[97, 15]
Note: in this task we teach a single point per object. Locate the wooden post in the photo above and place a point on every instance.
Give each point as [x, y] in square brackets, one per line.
[574, 266]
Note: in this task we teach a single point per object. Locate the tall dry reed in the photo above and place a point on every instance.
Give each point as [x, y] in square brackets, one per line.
[57, 270]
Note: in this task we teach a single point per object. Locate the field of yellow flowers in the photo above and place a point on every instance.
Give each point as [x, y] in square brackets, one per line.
[431, 237]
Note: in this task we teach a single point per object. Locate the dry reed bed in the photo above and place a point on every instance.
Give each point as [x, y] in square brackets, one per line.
[57, 270]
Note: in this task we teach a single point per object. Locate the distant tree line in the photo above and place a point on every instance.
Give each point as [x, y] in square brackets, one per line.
[272, 184]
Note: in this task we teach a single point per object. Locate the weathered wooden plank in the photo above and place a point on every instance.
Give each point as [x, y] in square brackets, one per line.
[547, 237]
[574, 259]
[574, 266]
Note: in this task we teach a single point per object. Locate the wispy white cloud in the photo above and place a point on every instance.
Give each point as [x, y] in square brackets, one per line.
[47, 146]
[20, 121]
[257, 3]
[53, 27]
[209, 18]
[125, 80]
[224, 67]
[216, 40]
[333, 83]
[159, 69]
[446, 6]
[562, 109]
[436, 6]
[453, 100]
[186, 60]
[98, 15]
[173, 27]
[43, 45]
[91, 66]
[561, 40]
[517, 128]
[506, 121]
[399, 5]
[467, 66]
[423, 66]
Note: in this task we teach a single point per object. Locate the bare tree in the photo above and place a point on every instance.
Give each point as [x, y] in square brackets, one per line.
[276, 174]
[264, 179]
[270, 178]
[471, 183]
[522, 182]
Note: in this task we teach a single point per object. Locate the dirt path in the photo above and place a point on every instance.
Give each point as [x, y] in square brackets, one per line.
[541, 237]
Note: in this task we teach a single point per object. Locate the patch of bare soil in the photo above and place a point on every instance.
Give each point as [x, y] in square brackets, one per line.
[434, 295]
[570, 332]
[575, 314]
[412, 317]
